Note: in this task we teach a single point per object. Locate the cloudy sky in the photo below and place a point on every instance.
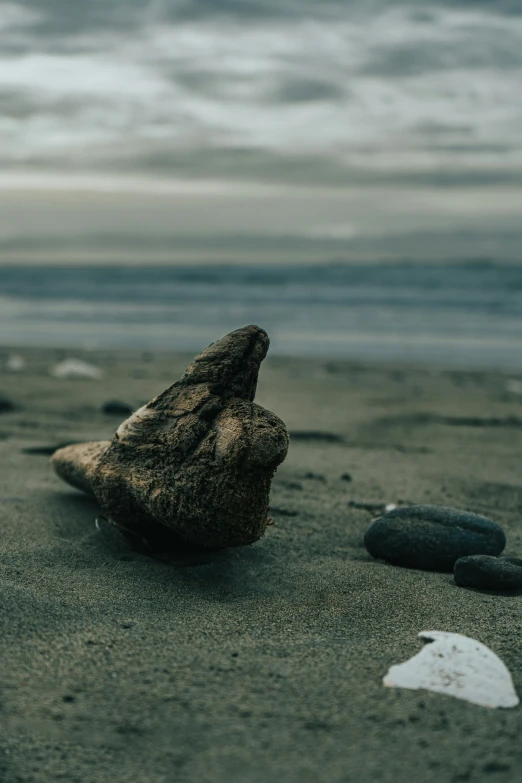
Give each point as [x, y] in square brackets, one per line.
[177, 130]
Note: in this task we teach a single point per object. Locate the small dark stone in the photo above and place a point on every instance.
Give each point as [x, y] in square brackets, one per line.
[117, 408]
[495, 766]
[6, 405]
[315, 477]
[345, 477]
[46, 451]
[283, 512]
[489, 573]
[292, 485]
[432, 538]
[373, 508]
[316, 435]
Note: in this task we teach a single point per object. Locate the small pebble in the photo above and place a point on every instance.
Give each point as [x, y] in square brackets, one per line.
[432, 538]
[6, 405]
[115, 407]
[373, 508]
[315, 477]
[489, 573]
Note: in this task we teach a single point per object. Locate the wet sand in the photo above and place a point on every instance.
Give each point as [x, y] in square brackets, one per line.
[262, 663]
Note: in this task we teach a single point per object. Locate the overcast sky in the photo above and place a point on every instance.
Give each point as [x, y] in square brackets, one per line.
[182, 130]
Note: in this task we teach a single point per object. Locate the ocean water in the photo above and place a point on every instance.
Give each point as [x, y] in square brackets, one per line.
[466, 314]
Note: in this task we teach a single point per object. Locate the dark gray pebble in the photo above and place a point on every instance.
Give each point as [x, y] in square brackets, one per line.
[283, 512]
[315, 477]
[115, 407]
[6, 405]
[373, 508]
[432, 538]
[489, 573]
[316, 435]
[47, 450]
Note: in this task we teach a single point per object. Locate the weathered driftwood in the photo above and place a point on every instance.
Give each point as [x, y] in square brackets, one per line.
[196, 463]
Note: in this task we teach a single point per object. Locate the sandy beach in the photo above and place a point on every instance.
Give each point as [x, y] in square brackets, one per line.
[266, 662]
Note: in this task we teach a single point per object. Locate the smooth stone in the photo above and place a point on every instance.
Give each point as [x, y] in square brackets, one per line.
[6, 405]
[432, 538]
[117, 408]
[489, 573]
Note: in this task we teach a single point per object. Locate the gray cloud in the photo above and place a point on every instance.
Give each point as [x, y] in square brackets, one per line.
[256, 164]
[307, 90]
[366, 95]
[509, 7]
[476, 149]
[411, 60]
[200, 80]
[261, 165]
[65, 17]
[483, 48]
[61, 19]
[16, 105]
[24, 104]
[479, 244]
[434, 128]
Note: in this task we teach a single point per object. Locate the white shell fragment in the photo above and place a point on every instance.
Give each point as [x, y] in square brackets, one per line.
[457, 666]
[76, 368]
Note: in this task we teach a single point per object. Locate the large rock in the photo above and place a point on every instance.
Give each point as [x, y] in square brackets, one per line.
[194, 464]
[432, 538]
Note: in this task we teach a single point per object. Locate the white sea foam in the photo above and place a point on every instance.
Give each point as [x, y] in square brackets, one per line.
[76, 368]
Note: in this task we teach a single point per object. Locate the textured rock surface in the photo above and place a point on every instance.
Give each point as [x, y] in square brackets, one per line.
[196, 463]
[489, 573]
[432, 537]
[75, 464]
